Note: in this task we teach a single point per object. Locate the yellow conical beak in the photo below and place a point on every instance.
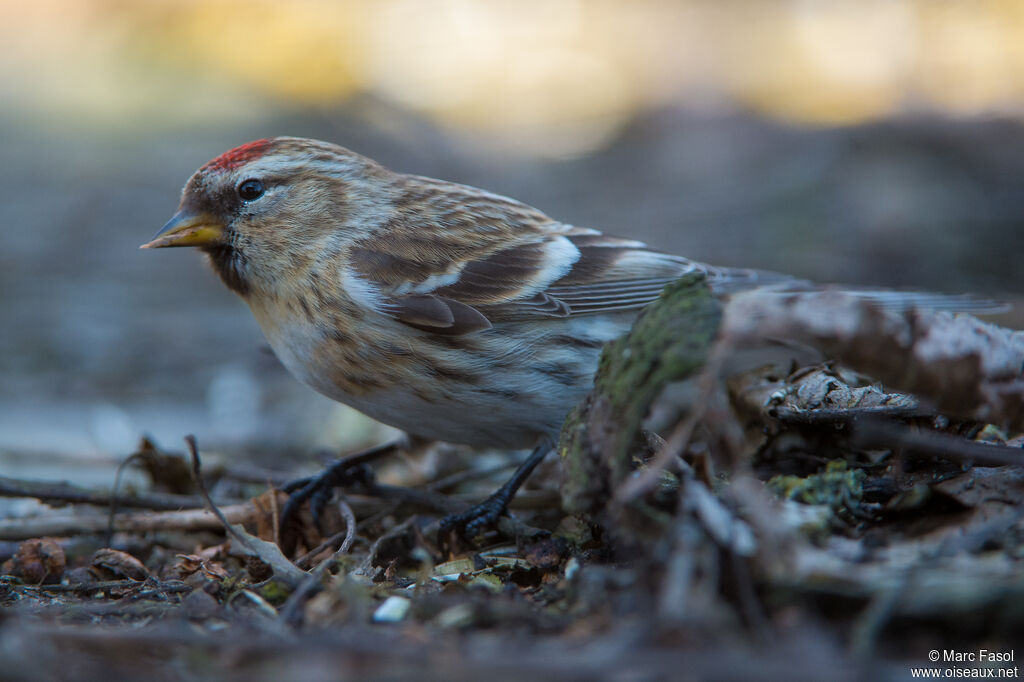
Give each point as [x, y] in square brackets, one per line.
[188, 229]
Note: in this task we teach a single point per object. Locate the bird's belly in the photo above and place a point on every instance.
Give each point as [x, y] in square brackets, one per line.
[510, 414]
[473, 419]
[472, 391]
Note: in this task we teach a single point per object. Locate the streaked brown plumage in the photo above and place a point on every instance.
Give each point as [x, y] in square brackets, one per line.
[442, 309]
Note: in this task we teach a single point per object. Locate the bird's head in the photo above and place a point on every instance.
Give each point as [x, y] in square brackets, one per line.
[265, 209]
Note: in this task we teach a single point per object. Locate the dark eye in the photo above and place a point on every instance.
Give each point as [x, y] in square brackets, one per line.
[250, 190]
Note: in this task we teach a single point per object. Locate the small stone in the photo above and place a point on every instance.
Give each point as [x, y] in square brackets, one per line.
[393, 610]
[199, 605]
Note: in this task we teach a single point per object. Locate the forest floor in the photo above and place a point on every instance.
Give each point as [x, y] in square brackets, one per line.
[797, 521]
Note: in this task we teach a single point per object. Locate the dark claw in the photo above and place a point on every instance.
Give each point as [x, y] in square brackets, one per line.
[318, 501]
[484, 516]
[318, 489]
[475, 520]
[347, 471]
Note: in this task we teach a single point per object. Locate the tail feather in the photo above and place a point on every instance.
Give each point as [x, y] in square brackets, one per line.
[925, 300]
[733, 280]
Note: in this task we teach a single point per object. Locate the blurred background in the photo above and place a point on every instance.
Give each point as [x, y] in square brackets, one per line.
[856, 141]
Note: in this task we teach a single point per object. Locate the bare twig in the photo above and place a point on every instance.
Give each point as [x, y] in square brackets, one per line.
[424, 500]
[249, 473]
[69, 493]
[878, 433]
[847, 414]
[366, 568]
[267, 552]
[392, 500]
[290, 611]
[441, 484]
[113, 495]
[153, 587]
[140, 522]
[275, 518]
[350, 526]
[349, 535]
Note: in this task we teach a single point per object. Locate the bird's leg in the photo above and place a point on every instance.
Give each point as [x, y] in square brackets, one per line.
[484, 515]
[349, 470]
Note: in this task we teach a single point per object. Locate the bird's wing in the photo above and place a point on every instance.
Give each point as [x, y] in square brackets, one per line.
[544, 275]
[484, 268]
[503, 261]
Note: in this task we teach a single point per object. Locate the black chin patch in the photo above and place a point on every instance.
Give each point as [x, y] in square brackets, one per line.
[230, 265]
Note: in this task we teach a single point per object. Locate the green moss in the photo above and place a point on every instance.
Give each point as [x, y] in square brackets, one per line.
[838, 486]
[274, 591]
[670, 341]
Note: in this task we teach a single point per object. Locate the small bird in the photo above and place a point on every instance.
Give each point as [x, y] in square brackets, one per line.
[447, 311]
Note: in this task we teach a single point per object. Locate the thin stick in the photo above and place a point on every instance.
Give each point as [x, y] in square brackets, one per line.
[268, 552]
[440, 484]
[349, 535]
[877, 433]
[113, 495]
[826, 416]
[142, 522]
[275, 517]
[70, 524]
[350, 527]
[69, 493]
[366, 568]
[290, 611]
[154, 587]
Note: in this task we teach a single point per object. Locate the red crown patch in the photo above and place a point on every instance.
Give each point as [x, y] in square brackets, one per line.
[239, 156]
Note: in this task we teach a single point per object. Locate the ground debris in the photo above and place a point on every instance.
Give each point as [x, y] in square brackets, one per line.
[37, 562]
[792, 521]
[958, 363]
[112, 564]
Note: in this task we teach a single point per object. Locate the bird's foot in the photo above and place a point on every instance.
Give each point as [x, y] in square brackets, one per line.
[485, 515]
[475, 520]
[353, 470]
[317, 490]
